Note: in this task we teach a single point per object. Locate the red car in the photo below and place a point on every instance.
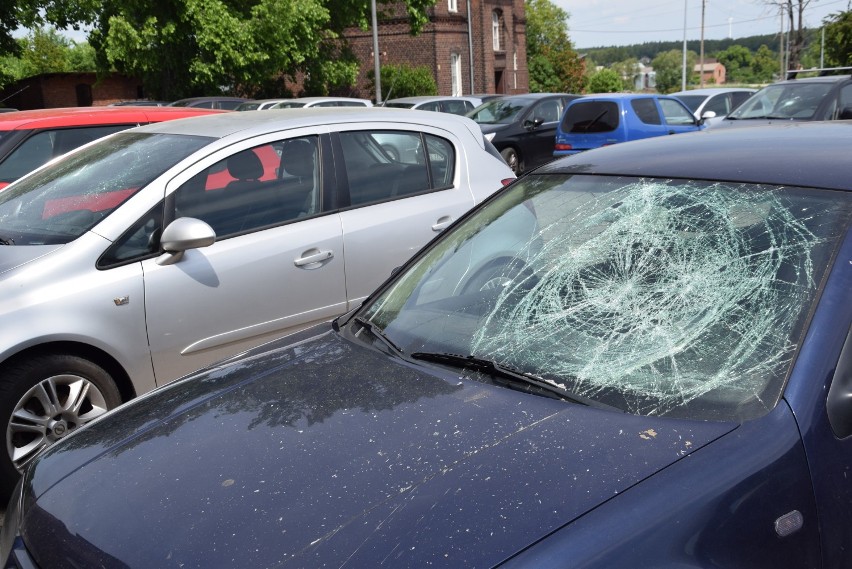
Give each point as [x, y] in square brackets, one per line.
[28, 139]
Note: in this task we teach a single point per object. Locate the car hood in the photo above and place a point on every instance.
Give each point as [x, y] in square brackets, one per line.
[329, 453]
[12, 257]
[726, 123]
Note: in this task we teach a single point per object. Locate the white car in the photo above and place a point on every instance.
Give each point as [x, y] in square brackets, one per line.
[148, 254]
[454, 105]
[305, 102]
[717, 100]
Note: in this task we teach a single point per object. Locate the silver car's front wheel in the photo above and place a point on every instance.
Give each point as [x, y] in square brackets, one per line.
[54, 395]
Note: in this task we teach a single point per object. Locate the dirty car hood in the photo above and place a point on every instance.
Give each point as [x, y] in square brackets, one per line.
[328, 453]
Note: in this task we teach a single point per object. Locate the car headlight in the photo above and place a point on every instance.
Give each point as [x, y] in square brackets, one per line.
[490, 136]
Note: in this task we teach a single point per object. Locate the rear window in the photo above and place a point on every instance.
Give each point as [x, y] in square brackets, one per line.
[592, 116]
[646, 110]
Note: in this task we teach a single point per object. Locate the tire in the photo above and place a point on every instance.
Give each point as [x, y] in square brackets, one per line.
[42, 400]
[510, 155]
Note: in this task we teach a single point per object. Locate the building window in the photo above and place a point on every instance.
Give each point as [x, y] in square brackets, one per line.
[453, 5]
[455, 70]
[496, 29]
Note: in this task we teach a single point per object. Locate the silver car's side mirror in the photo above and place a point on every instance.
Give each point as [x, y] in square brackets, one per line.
[181, 235]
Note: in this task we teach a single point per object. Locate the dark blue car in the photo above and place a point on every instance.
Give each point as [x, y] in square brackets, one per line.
[600, 120]
[656, 372]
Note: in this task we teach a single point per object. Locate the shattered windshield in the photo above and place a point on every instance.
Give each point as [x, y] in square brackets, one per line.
[59, 203]
[659, 297]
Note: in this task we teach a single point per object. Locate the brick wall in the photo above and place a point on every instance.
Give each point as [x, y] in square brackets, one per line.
[52, 90]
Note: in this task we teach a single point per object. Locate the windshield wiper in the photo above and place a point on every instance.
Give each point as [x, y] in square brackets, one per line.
[595, 120]
[376, 332]
[512, 378]
[6, 240]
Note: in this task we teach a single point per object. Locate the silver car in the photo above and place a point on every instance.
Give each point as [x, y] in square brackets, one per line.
[155, 251]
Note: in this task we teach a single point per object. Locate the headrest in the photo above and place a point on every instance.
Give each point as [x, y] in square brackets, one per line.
[297, 157]
[245, 165]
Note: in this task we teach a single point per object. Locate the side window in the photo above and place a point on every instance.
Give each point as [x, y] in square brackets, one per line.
[548, 111]
[738, 98]
[387, 165]
[719, 104]
[676, 113]
[255, 188]
[457, 107]
[434, 106]
[646, 110]
[845, 107]
[140, 241]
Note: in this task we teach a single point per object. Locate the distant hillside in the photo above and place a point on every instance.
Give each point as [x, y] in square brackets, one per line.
[606, 56]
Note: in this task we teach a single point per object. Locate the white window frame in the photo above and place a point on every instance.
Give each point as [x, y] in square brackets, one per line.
[453, 5]
[495, 30]
[456, 74]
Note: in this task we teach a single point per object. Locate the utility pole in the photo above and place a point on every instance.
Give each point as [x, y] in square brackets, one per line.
[376, 59]
[470, 44]
[701, 58]
[683, 64]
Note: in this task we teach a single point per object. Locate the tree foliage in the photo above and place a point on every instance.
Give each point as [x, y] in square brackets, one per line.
[606, 81]
[554, 65]
[838, 39]
[668, 67]
[403, 81]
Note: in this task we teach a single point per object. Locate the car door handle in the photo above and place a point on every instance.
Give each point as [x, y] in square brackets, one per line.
[313, 256]
[442, 223]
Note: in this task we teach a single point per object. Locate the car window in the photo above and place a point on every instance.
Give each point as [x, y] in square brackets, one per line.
[202, 105]
[228, 105]
[719, 104]
[45, 145]
[646, 110]
[692, 101]
[59, 204]
[431, 106]
[845, 110]
[591, 116]
[266, 185]
[738, 98]
[548, 111]
[784, 101]
[456, 107]
[675, 113]
[499, 111]
[387, 165]
[668, 297]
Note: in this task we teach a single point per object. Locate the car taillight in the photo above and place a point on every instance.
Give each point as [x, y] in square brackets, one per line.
[562, 146]
[507, 181]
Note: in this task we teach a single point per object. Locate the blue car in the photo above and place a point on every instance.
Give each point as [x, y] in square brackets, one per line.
[652, 367]
[600, 120]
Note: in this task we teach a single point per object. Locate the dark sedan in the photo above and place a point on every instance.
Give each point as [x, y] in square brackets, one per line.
[522, 127]
[656, 372]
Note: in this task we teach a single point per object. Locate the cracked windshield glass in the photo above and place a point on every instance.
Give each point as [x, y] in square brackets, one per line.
[658, 297]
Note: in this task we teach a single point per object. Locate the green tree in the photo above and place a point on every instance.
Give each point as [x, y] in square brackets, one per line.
[551, 59]
[606, 81]
[738, 62]
[838, 39]
[190, 47]
[81, 57]
[403, 81]
[45, 51]
[626, 70]
[668, 68]
[764, 65]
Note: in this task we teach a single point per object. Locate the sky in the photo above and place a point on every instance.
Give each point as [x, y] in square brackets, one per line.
[597, 23]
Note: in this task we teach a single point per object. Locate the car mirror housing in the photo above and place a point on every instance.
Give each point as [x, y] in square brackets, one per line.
[183, 234]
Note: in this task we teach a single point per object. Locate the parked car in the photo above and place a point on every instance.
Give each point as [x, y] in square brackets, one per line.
[717, 100]
[223, 103]
[658, 375]
[300, 102]
[455, 105]
[139, 103]
[522, 127]
[156, 251]
[28, 139]
[827, 96]
[7, 110]
[610, 118]
[259, 104]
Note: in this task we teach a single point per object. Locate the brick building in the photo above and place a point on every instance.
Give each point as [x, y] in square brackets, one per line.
[497, 35]
[51, 90]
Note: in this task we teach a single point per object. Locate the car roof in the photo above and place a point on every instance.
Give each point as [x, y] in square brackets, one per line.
[713, 91]
[92, 116]
[753, 154]
[313, 99]
[226, 124]
[620, 96]
[427, 98]
[537, 95]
